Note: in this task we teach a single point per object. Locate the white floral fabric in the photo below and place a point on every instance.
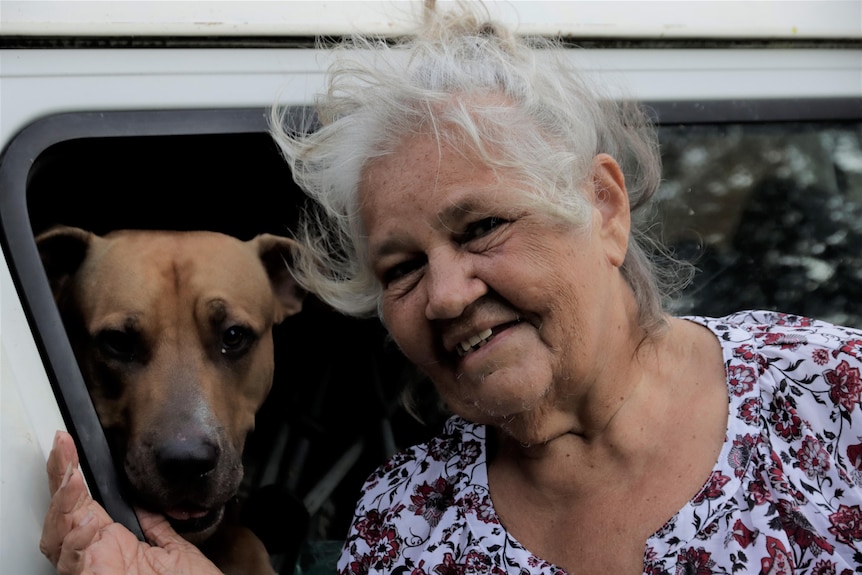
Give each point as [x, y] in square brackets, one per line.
[785, 495]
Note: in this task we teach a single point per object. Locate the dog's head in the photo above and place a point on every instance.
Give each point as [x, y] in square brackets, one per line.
[173, 333]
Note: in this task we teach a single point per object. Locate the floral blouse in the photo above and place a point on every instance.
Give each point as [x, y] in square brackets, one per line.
[785, 495]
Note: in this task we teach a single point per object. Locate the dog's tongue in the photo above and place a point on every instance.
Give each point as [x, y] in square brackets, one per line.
[184, 514]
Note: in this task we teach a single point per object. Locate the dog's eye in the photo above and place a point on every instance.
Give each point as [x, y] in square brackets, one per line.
[117, 344]
[235, 340]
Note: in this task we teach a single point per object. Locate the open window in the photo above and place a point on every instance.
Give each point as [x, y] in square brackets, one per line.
[765, 195]
[212, 170]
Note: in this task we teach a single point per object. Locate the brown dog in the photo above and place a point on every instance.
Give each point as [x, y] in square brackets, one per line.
[173, 333]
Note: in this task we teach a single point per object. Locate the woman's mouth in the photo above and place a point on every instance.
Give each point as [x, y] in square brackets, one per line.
[473, 343]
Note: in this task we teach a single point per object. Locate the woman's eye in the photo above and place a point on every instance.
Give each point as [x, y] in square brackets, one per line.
[401, 270]
[481, 227]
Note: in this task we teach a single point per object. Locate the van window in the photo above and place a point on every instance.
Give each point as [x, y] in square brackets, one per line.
[770, 211]
[766, 196]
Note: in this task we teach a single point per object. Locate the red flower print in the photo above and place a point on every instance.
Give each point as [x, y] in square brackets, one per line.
[798, 529]
[785, 340]
[708, 531]
[820, 356]
[792, 320]
[449, 567]
[845, 385]
[387, 547]
[744, 352]
[476, 562]
[743, 535]
[442, 448]
[481, 506]
[823, 567]
[784, 419]
[694, 562]
[653, 565]
[762, 364]
[740, 379]
[740, 454]
[749, 411]
[431, 501]
[854, 454]
[712, 489]
[779, 562]
[846, 524]
[759, 493]
[852, 347]
[368, 528]
[358, 567]
[469, 453]
[813, 458]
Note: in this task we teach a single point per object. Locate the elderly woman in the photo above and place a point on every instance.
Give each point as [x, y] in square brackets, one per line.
[481, 197]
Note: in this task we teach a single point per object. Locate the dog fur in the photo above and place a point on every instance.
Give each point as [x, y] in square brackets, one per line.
[173, 334]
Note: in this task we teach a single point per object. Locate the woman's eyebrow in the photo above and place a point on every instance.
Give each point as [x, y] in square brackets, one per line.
[387, 247]
[450, 218]
[456, 212]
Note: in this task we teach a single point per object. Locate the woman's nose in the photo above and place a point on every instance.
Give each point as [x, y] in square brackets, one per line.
[451, 284]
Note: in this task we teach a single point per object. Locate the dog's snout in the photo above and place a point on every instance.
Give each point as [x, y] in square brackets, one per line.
[187, 458]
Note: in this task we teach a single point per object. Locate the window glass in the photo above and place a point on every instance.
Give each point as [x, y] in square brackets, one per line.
[771, 213]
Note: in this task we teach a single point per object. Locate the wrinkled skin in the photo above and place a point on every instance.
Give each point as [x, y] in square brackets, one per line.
[80, 538]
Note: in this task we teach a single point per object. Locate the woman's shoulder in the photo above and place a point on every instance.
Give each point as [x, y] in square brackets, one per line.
[802, 375]
[792, 454]
[793, 337]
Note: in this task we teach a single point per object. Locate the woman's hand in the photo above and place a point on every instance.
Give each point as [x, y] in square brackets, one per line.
[79, 537]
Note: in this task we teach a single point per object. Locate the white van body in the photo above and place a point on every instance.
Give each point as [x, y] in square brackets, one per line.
[680, 51]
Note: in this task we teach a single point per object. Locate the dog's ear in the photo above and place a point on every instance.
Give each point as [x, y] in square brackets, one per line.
[276, 253]
[62, 249]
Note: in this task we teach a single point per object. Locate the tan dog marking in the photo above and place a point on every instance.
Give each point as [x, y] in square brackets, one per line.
[173, 333]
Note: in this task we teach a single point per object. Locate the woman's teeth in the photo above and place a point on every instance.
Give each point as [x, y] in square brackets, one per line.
[474, 342]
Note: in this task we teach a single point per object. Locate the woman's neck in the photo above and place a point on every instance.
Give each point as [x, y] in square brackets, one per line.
[625, 430]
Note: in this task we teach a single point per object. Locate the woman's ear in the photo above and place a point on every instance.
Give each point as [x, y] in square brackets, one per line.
[612, 202]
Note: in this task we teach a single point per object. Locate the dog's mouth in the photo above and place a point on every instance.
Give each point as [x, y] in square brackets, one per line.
[187, 519]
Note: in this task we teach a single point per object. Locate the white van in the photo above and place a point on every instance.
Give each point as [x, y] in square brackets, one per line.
[151, 114]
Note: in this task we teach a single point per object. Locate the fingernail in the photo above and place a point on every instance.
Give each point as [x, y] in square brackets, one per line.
[67, 475]
[56, 438]
[87, 518]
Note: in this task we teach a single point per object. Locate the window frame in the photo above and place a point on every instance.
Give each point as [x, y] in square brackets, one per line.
[31, 282]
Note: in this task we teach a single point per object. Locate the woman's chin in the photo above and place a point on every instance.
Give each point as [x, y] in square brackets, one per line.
[498, 394]
[505, 413]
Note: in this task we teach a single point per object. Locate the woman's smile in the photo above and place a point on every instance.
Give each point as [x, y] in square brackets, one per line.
[484, 345]
[472, 344]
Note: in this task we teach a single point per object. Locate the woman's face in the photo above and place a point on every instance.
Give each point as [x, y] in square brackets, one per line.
[506, 308]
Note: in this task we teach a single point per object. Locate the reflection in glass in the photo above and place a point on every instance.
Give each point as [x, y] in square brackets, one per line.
[771, 214]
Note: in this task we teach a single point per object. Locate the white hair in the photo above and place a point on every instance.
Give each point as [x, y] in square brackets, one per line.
[516, 102]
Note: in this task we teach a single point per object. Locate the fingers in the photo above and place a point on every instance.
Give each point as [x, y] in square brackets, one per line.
[170, 552]
[71, 559]
[63, 454]
[71, 507]
[158, 530]
[69, 499]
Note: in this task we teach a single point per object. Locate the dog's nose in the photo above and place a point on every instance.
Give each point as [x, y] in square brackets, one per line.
[187, 458]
